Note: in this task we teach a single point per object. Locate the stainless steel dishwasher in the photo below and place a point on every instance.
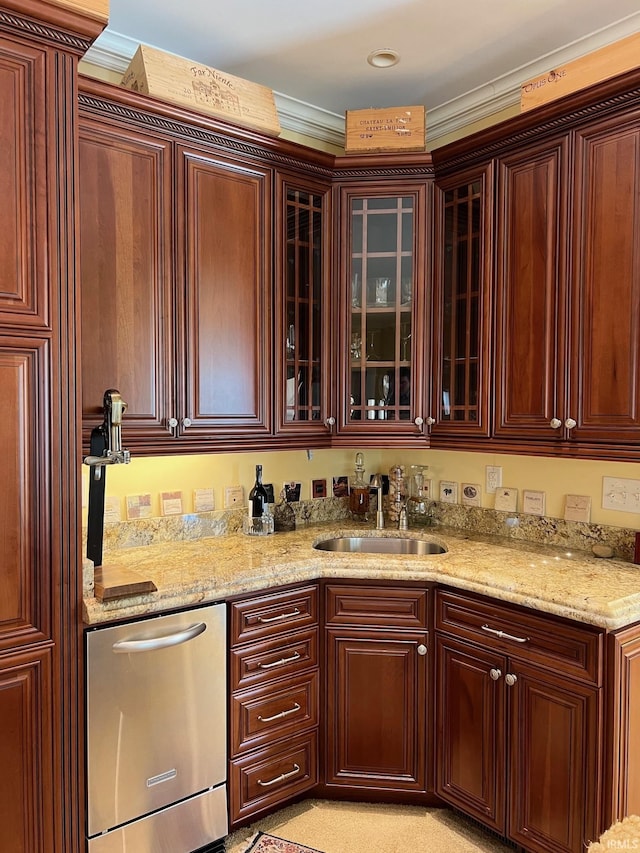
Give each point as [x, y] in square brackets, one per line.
[156, 734]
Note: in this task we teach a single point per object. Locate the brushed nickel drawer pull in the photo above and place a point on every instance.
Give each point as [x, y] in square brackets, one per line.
[281, 777]
[264, 621]
[504, 636]
[281, 662]
[279, 716]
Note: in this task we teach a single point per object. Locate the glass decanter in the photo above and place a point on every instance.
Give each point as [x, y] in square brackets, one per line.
[359, 492]
[418, 502]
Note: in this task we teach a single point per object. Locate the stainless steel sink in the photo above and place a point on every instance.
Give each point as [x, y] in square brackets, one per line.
[380, 545]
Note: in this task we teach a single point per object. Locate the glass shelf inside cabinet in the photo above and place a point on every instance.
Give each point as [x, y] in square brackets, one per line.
[381, 277]
[303, 305]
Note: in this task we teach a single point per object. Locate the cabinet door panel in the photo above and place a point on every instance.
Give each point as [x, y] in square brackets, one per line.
[376, 709]
[462, 305]
[553, 759]
[26, 781]
[23, 213]
[224, 210]
[470, 741]
[530, 293]
[605, 400]
[125, 260]
[24, 499]
[302, 300]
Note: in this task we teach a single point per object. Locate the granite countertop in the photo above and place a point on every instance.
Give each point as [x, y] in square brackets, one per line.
[605, 593]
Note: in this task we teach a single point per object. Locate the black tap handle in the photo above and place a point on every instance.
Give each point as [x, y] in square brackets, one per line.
[95, 517]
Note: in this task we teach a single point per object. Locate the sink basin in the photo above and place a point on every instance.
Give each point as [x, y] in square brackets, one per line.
[379, 545]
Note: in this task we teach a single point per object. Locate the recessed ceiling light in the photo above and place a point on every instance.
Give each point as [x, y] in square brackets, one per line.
[384, 57]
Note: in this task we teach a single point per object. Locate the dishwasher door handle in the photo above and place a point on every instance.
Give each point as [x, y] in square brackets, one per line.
[164, 642]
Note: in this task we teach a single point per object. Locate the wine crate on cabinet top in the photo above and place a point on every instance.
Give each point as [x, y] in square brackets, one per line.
[608, 61]
[164, 75]
[390, 129]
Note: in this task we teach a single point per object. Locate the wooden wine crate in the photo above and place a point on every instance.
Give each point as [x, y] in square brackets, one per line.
[98, 9]
[609, 61]
[172, 78]
[391, 129]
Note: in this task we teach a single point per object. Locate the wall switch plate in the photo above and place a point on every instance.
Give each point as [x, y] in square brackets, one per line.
[233, 496]
[493, 477]
[621, 493]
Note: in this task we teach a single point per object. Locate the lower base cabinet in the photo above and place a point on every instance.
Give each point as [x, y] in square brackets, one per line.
[376, 696]
[517, 745]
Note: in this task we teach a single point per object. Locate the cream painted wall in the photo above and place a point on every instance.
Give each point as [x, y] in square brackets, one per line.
[555, 477]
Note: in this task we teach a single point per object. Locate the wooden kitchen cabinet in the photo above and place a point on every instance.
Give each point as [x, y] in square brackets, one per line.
[303, 338]
[383, 301]
[531, 292]
[274, 709]
[462, 307]
[565, 279]
[518, 722]
[40, 582]
[176, 259]
[377, 671]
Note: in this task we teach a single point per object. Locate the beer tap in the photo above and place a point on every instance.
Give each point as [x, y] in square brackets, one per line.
[105, 449]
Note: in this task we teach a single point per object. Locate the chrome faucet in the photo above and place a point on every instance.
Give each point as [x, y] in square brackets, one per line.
[376, 483]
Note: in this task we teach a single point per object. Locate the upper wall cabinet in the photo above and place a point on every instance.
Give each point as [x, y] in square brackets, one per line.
[531, 291]
[565, 264]
[462, 306]
[604, 394]
[23, 213]
[176, 283]
[383, 306]
[303, 340]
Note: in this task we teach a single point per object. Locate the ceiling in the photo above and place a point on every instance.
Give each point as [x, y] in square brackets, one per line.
[455, 55]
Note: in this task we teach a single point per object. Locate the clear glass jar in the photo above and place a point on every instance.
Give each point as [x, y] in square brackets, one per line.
[418, 501]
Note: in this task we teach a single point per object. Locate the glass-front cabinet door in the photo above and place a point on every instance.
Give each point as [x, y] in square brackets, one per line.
[460, 404]
[385, 329]
[302, 327]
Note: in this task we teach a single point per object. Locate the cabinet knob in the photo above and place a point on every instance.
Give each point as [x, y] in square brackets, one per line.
[186, 422]
[422, 649]
[418, 421]
[329, 422]
[570, 423]
[555, 423]
[495, 674]
[172, 423]
[511, 679]
[430, 421]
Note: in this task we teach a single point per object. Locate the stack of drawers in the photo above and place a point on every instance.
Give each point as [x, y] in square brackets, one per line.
[274, 700]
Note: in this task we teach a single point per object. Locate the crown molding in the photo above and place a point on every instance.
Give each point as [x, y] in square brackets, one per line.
[113, 52]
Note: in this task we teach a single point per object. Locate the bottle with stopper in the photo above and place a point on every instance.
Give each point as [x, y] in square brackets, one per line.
[359, 492]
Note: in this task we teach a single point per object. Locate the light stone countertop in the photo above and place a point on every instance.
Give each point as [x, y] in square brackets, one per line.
[605, 593]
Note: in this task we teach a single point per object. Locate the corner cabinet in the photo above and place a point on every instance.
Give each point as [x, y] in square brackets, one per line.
[176, 281]
[382, 312]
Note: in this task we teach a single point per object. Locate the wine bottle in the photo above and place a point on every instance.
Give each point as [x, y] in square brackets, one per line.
[258, 496]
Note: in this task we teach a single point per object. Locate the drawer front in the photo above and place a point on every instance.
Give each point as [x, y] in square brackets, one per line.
[269, 777]
[385, 607]
[261, 662]
[565, 648]
[274, 711]
[273, 614]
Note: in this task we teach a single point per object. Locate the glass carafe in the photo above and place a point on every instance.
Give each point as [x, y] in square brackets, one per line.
[418, 502]
[359, 492]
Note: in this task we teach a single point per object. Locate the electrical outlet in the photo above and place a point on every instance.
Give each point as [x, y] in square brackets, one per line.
[233, 496]
[493, 477]
[621, 493]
